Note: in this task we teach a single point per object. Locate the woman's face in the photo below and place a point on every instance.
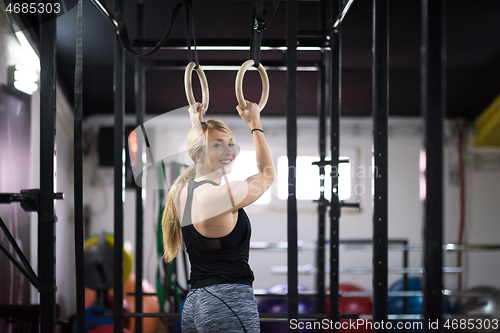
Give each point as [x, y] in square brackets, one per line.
[223, 151]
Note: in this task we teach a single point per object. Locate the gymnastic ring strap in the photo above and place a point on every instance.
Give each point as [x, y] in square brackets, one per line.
[189, 87]
[239, 85]
[123, 32]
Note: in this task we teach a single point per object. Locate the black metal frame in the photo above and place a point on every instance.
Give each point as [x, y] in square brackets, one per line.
[119, 134]
[328, 98]
[433, 108]
[291, 152]
[140, 109]
[380, 86]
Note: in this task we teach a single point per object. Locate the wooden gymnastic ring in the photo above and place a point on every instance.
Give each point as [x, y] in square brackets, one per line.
[239, 85]
[189, 88]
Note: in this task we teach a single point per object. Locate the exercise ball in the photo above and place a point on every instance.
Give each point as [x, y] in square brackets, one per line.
[487, 305]
[351, 305]
[94, 318]
[413, 303]
[149, 304]
[106, 329]
[280, 305]
[98, 260]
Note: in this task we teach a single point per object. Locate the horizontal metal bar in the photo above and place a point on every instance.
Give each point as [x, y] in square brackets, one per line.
[305, 316]
[450, 247]
[235, 44]
[309, 269]
[13, 197]
[307, 294]
[19, 311]
[226, 66]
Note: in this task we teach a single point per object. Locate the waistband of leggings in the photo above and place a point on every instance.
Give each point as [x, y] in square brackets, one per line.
[218, 280]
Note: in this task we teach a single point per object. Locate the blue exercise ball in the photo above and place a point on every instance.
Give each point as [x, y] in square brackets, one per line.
[94, 317]
[280, 305]
[413, 303]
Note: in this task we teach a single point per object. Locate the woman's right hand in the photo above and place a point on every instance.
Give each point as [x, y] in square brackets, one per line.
[196, 114]
[250, 115]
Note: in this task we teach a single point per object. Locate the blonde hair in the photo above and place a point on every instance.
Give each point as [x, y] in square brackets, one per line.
[197, 140]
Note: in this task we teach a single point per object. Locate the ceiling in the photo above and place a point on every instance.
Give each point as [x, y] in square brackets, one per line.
[473, 57]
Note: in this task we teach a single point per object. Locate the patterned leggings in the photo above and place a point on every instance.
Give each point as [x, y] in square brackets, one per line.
[221, 308]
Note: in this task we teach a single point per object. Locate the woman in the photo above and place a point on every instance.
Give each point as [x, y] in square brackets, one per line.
[210, 220]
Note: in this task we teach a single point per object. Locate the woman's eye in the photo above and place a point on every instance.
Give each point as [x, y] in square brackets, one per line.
[217, 145]
[231, 145]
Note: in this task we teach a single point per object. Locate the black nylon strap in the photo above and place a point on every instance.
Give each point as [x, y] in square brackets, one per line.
[190, 33]
[256, 37]
[262, 27]
[123, 32]
[258, 27]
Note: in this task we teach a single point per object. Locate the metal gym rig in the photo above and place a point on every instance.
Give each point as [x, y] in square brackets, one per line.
[329, 75]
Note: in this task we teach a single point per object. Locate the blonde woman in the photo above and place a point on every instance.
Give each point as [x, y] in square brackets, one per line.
[208, 218]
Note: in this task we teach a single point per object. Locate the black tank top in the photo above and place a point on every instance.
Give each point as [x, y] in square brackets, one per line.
[217, 260]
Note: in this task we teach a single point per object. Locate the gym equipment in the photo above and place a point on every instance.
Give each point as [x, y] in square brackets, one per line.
[150, 303]
[106, 329]
[239, 85]
[488, 305]
[413, 303]
[189, 87]
[280, 305]
[98, 261]
[351, 305]
[94, 318]
[127, 321]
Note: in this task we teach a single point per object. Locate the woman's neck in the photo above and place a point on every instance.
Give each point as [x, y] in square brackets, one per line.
[213, 176]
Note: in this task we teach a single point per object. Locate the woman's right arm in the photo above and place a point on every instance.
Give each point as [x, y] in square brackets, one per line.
[260, 182]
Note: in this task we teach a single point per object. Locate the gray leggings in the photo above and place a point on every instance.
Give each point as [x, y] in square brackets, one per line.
[221, 308]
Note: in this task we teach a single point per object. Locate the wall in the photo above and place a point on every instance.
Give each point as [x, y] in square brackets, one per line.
[269, 222]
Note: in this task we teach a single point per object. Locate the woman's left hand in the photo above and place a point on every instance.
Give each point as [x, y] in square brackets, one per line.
[197, 114]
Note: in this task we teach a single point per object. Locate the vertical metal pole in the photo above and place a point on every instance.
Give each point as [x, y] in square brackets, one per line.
[140, 107]
[78, 176]
[405, 275]
[119, 177]
[46, 217]
[320, 251]
[380, 86]
[291, 140]
[323, 87]
[336, 84]
[433, 106]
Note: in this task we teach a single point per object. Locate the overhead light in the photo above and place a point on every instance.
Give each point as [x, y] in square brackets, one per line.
[24, 75]
[23, 79]
[30, 55]
[247, 48]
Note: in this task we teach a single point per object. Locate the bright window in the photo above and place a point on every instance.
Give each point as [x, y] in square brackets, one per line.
[245, 165]
[308, 179]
